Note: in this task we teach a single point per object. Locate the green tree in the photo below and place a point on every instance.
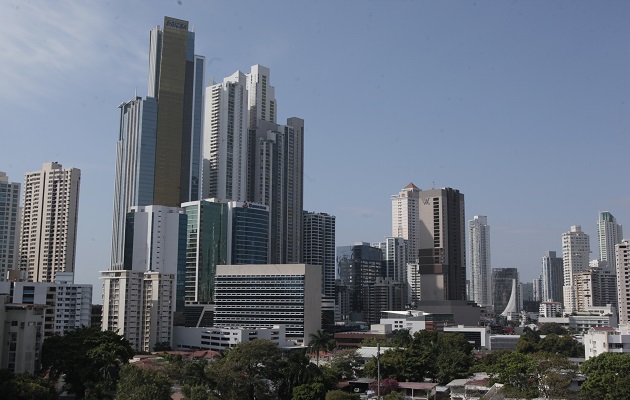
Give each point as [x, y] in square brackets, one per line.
[394, 396]
[454, 359]
[516, 371]
[388, 385]
[401, 338]
[345, 363]
[552, 327]
[319, 341]
[555, 373]
[141, 384]
[89, 359]
[607, 377]
[296, 369]
[25, 387]
[564, 345]
[341, 395]
[395, 363]
[309, 391]
[162, 346]
[199, 392]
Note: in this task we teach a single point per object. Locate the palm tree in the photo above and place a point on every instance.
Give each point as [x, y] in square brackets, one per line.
[319, 341]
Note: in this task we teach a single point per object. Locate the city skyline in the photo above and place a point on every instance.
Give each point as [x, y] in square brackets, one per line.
[523, 94]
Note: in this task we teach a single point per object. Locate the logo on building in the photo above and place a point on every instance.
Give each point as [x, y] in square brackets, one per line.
[176, 24]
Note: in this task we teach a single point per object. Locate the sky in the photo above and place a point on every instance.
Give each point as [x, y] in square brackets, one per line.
[524, 106]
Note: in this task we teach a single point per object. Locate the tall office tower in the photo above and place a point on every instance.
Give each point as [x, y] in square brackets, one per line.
[406, 218]
[609, 234]
[226, 138]
[395, 253]
[502, 286]
[140, 300]
[158, 154]
[442, 255]
[575, 254]
[359, 268]
[9, 225]
[256, 296]
[552, 277]
[537, 287]
[49, 222]
[319, 247]
[277, 181]
[622, 252]
[480, 276]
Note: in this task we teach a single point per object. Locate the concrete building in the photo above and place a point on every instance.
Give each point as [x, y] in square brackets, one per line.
[21, 335]
[406, 218]
[609, 234]
[394, 251]
[319, 247]
[415, 320]
[359, 268]
[477, 336]
[49, 222]
[596, 287]
[537, 288]
[442, 255]
[575, 255]
[158, 154]
[257, 296]
[502, 285]
[582, 321]
[600, 340]
[69, 305]
[550, 309]
[552, 277]
[480, 265]
[217, 339]
[10, 219]
[622, 251]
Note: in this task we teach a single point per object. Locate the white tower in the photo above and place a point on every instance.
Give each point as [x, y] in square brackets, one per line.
[406, 218]
[480, 267]
[609, 234]
[575, 257]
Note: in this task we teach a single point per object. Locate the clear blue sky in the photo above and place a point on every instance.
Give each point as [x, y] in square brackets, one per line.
[524, 106]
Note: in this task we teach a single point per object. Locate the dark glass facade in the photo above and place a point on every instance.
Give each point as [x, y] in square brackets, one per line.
[250, 234]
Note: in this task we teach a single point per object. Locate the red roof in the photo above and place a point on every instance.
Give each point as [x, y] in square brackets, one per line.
[417, 385]
[411, 186]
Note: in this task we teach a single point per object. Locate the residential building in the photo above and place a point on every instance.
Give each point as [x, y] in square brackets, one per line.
[596, 287]
[537, 287]
[406, 218]
[49, 222]
[21, 335]
[550, 309]
[503, 281]
[552, 277]
[442, 255]
[158, 154]
[256, 296]
[480, 266]
[622, 251]
[359, 266]
[575, 256]
[394, 251]
[9, 225]
[609, 234]
[599, 340]
[319, 247]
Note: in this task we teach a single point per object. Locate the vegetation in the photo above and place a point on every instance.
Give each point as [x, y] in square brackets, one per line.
[320, 341]
[25, 387]
[564, 345]
[341, 395]
[140, 384]
[608, 377]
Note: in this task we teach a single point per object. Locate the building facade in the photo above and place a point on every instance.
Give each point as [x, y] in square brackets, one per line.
[21, 335]
[609, 234]
[480, 266]
[319, 247]
[552, 277]
[502, 287]
[622, 251]
[49, 222]
[10, 219]
[406, 219]
[576, 249]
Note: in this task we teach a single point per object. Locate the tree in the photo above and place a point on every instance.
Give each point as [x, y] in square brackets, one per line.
[555, 374]
[552, 327]
[162, 346]
[140, 384]
[516, 371]
[388, 385]
[394, 396]
[454, 359]
[607, 377]
[319, 341]
[564, 345]
[89, 359]
[341, 395]
[401, 338]
[296, 369]
[309, 391]
[345, 363]
[25, 387]
[395, 363]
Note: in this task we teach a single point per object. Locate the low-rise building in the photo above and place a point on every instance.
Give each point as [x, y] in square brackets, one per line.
[550, 309]
[582, 321]
[477, 336]
[599, 340]
[503, 342]
[415, 320]
[213, 338]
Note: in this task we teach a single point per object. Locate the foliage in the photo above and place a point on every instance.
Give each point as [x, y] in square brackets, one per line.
[296, 369]
[309, 391]
[554, 375]
[552, 327]
[388, 385]
[454, 358]
[140, 384]
[198, 392]
[607, 377]
[345, 363]
[515, 370]
[565, 345]
[319, 341]
[401, 338]
[89, 358]
[25, 387]
[394, 396]
[341, 395]
[162, 346]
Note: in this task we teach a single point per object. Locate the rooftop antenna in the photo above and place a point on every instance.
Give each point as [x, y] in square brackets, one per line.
[433, 187]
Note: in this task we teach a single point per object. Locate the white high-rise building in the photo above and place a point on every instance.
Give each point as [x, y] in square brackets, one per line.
[622, 251]
[480, 267]
[406, 219]
[575, 257]
[49, 222]
[9, 225]
[262, 96]
[226, 138]
[609, 234]
[552, 277]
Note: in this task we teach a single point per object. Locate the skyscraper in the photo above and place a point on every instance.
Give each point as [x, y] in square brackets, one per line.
[622, 251]
[552, 277]
[9, 225]
[575, 257]
[49, 222]
[609, 234]
[158, 158]
[406, 218]
[480, 273]
[442, 255]
[503, 284]
[319, 247]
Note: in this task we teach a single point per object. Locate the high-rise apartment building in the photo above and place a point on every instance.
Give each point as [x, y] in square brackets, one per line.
[159, 144]
[442, 253]
[504, 281]
[406, 218]
[609, 234]
[622, 251]
[575, 259]
[49, 222]
[262, 96]
[552, 277]
[9, 225]
[319, 247]
[480, 267]
[394, 252]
